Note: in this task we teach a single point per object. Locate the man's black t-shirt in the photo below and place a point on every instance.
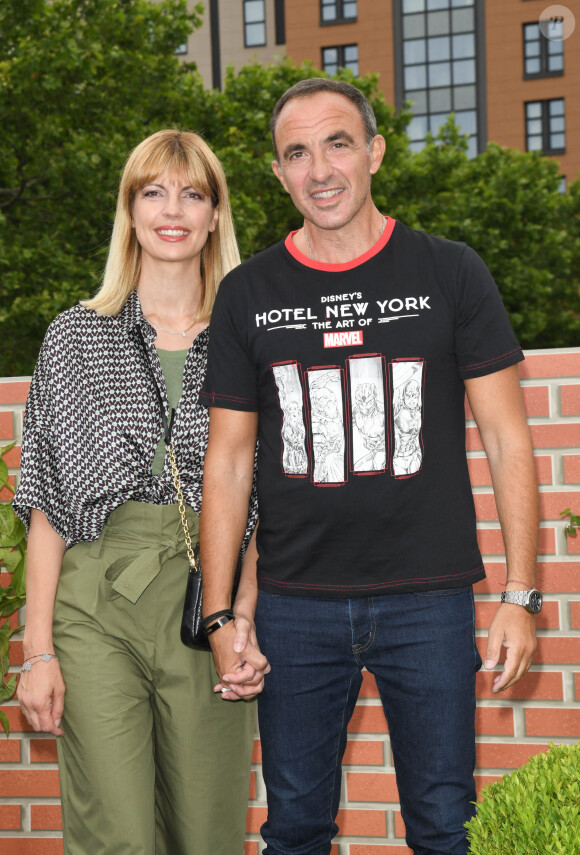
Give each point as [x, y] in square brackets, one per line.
[356, 371]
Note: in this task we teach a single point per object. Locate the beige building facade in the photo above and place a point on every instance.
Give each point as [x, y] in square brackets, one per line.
[235, 32]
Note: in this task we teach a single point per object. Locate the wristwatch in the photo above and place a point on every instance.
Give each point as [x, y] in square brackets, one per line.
[531, 600]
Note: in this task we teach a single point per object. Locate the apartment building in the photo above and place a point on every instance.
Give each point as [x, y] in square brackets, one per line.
[508, 69]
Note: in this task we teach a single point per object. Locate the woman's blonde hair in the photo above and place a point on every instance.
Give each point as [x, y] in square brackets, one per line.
[179, 153]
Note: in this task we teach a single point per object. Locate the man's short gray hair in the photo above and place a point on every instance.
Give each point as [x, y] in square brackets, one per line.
[311, 86]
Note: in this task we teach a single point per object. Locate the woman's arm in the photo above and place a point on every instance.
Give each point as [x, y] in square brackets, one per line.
[41, 689]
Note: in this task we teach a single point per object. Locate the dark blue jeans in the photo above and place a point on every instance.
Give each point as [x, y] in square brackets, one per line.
[421, 649]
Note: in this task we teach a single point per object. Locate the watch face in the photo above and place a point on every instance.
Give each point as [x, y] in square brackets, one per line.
[535, 602]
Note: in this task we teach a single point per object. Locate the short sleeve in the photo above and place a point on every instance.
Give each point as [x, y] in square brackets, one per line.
[484, 339]
[40, 484]
[231, 381]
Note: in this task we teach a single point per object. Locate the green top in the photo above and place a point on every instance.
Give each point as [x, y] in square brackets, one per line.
[172, 364]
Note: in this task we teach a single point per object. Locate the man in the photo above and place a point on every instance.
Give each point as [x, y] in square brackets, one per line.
[363, 566]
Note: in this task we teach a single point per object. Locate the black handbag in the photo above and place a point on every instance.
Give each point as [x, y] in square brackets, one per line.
[192, 631]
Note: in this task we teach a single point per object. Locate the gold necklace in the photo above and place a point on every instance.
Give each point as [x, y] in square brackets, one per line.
[310, 248]
[172, 332]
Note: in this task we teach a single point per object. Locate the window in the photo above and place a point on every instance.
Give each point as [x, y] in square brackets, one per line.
[337, 11]
[341, 56]
[546, 126]
[181, 49]
[439, 67]
[279, 22]
[543, 56]
[254, 23]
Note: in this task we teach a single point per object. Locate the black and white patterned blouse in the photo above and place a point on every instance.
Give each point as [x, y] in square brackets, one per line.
[92, 423]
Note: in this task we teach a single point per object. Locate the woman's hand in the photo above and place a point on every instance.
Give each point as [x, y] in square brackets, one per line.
[41, 695]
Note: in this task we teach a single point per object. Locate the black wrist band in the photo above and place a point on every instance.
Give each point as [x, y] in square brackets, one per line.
[207, 620]
[221, 621]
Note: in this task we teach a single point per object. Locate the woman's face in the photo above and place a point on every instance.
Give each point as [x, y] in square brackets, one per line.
[172, 220]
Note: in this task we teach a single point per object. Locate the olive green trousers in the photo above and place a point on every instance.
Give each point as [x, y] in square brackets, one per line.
[152, 761]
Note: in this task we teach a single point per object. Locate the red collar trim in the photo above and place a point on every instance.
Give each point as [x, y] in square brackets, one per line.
[347, 265]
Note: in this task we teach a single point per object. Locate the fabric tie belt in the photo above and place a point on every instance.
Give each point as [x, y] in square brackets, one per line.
[133, 571]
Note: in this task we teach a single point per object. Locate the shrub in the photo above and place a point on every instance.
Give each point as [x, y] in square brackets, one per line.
[534, 810]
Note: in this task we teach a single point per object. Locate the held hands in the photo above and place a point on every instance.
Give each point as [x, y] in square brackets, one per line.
[41, 695]
[513, 628]
[238, 660]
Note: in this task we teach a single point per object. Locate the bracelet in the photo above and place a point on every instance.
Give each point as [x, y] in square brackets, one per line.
[38, 656]
[221, 621]
[42, 657]
[519, 581]
[207, 620]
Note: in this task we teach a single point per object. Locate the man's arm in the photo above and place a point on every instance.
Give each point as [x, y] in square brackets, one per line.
[227, 484]
[497, 405]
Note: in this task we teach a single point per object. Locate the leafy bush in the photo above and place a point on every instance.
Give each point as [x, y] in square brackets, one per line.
[534, 810]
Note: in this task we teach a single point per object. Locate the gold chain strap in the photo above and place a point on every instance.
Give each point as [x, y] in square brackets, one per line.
[175, 472]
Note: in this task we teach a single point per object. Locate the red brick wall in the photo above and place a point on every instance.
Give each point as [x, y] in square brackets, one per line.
[543, 706]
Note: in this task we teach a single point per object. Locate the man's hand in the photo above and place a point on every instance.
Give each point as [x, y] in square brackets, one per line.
[238, 661]
[513, 628]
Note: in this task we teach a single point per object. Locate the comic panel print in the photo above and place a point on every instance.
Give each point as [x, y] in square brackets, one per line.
[367, 403]
[325, 389]
[294, 454]
[407, 384]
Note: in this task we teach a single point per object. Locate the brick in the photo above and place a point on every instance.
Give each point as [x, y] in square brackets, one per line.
[571, 469]
[535, 685]
[577, 686]
[14, 392]
[554, 435]
[29, 783]
[563, 651]
[570, 399]
[45, 818]
[551, 503]
[16, 653]
[257, 752]
[32, 846]
[6, 425]
[369, 686]
[537, 365]
[400, 829]
[12, 457]
[368, 719]
[575, 614]
[362, 823]
[494, 755]
[558, 577]
[366, 849]
[490, 541]
[480, 474]
[549, 617]
[494, 721]
[363, 752]
[371, 787]
[250, 847]
[16, 720]
[43, 750]
[255, 818]
[553, 722]
[9, 750]
[10, 819]
[573, 544]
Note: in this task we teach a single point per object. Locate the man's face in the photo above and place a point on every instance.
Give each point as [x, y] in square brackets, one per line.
[324, 161]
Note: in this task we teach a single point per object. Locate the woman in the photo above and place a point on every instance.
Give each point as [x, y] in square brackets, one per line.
[152, 761]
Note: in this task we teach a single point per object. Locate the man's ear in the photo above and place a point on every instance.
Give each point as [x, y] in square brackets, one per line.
[279, 175]
[377, 151]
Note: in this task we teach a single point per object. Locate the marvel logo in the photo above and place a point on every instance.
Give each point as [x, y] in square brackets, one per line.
[343, 339]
